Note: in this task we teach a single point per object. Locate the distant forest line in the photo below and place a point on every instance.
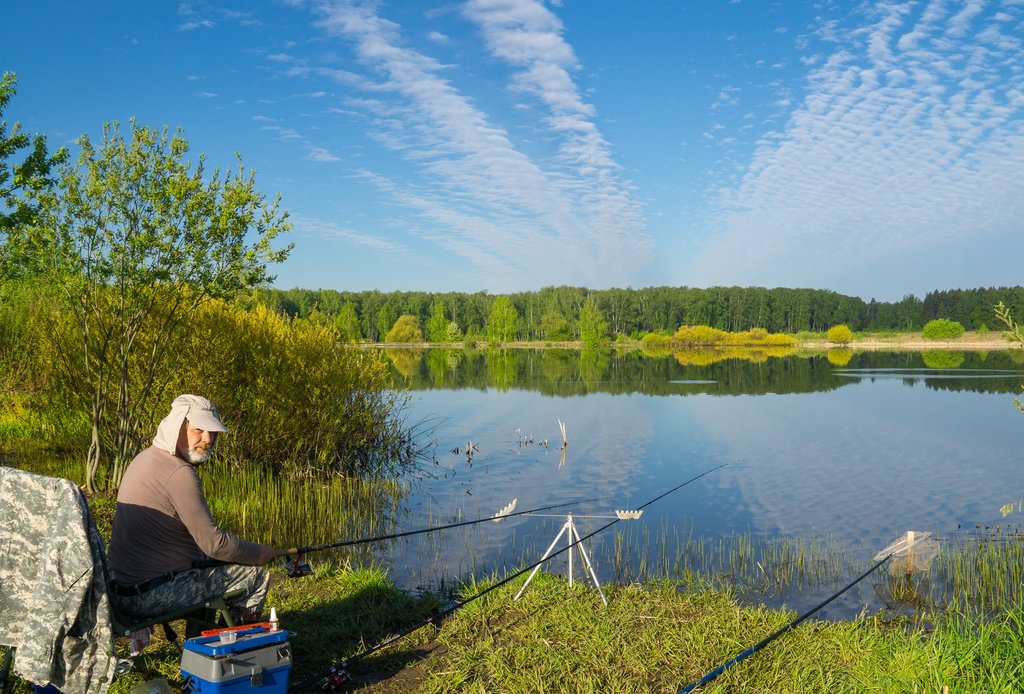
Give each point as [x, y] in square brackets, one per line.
[635, 312]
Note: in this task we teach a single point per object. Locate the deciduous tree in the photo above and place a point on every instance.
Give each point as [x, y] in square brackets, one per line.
[405, 330]
[347, 323]
[593, 327]
[503, 322]
[437, 325]
[133, 240]
[22, 182]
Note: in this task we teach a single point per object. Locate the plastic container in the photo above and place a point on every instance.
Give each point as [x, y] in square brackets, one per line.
[258, 661]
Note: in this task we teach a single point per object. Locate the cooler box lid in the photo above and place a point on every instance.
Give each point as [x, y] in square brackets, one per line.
[245, 640]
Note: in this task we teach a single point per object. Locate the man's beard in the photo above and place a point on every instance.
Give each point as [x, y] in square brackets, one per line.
[198, 455]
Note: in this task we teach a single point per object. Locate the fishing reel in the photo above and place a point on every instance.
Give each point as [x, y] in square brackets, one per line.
[336, 679]
[295, 567]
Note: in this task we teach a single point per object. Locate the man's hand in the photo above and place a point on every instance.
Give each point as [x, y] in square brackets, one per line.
[267, 555]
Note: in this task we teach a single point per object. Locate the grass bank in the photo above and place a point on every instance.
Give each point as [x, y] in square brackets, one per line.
[651, 638]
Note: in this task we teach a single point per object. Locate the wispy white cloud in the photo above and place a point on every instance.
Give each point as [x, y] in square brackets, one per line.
[331, 230]
[481, 197]
[315, 153]
[197, 24]
[910, 134]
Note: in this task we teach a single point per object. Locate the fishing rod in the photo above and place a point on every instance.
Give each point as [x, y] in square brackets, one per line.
[506, 512]
[336, 675]
[296, 568]
[897, 548]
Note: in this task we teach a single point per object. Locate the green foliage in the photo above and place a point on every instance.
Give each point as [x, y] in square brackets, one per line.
[452, 333]
[293, 397]
[942, 329]
[553, 326]
[503, 321]
[386, 318]
[132, 241]
[840, 335]
[654, 342]
[405, 330]
[21, 183]
[806, 313]
[593, 327]
[691, 336]
[699, 336]
[21, 304]
[439, 327]
[347, 324]
[1014, 330]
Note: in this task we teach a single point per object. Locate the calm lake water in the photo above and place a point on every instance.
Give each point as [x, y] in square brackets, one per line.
[854, 451]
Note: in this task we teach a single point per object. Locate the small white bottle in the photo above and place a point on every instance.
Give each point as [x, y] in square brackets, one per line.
[274, 624]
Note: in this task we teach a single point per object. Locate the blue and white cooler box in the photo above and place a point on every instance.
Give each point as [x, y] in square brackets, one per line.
[258, 661]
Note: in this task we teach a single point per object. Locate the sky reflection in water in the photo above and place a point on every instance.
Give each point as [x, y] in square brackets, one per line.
[854, 455]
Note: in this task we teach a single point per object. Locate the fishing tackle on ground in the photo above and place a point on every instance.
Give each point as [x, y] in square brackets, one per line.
[336, 675]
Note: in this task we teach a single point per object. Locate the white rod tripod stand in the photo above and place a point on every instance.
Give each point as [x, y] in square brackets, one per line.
[574, 538]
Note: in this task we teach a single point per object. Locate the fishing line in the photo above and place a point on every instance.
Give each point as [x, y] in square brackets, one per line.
[324, 677]
[768, 639]
[380, 538]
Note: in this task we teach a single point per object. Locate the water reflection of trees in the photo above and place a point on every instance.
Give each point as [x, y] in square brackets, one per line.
[502, 368]
[705, 357]
[943, 360]
[732, 372]
[406, 361]
[839, 356]
[594, 365]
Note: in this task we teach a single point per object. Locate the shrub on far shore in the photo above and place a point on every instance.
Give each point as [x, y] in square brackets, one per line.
[706, 336]
[840, 335]
[942, 329]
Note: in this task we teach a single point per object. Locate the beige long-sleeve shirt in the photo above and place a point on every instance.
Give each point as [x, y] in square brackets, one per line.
[163, 523]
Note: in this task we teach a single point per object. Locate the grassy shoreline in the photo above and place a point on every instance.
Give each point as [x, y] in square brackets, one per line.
[899, 342]
[656, 637]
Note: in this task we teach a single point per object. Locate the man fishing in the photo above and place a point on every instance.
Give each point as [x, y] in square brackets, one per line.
[163, 528]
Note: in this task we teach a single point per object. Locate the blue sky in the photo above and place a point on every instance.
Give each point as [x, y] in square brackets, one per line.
[872, 148]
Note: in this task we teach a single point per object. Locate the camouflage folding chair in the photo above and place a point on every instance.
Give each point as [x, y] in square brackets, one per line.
[56, 605]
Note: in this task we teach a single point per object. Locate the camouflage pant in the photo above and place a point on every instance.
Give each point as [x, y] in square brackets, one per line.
[196, 585]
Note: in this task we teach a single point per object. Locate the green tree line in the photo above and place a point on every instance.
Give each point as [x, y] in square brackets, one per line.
[555, 314]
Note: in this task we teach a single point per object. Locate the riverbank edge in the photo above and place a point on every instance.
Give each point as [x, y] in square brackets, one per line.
[649, 638]
[904, 342]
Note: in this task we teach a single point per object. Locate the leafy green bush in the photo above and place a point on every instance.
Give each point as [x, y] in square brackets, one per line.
[942, 329]
[406, 329]
[840, 335]
[293, 397]
[699, 335]
[779, 340]
[655, 341]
